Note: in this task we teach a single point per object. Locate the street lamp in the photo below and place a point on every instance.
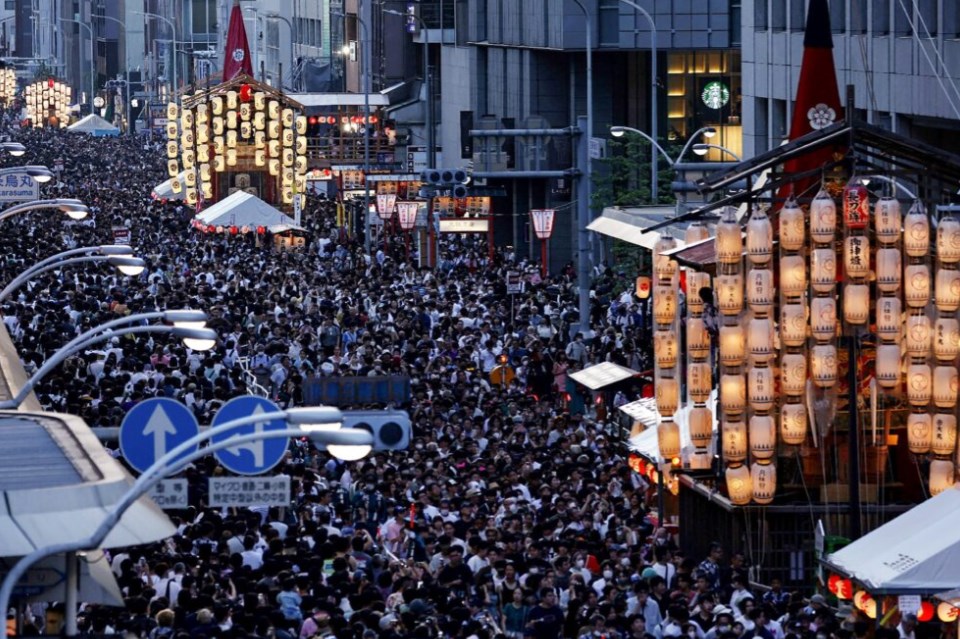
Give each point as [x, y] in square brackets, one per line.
[126, 265]
[93, 60]
[173, 45]
[13, 148]
[619, 131]
[299, 422]
[74, 209]
[40, 174]
[702, 149]
[365, 76]
[197, 339]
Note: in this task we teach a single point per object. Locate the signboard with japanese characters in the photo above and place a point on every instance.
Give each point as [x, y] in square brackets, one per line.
[18, 187]
[232, 492]
[465, 225]
[170, 494]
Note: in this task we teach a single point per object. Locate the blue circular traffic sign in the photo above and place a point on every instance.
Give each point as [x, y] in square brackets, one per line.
[152, 428]
[250, 458]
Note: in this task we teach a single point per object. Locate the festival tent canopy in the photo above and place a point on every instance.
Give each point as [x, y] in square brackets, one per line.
[244, 209]
[94, 125]
[164, 190]
[916, 553]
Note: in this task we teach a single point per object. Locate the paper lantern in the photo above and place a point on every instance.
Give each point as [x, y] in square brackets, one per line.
[888, 269]
[668, 396]
[733, 345]
[886, 215]
[823, 317]
[946, 612]
[918, 333]
[231, 157]
[844, 589]
[763, 478]
[232, 120]
[941, 476]
[729, 242]
[760, 338]
[273, 130]
[259, 121]
[823, 365]
[733, 440]
[946, 339]
[259, 100]
[273, 110]
[176, 186]
[919, 433]
[944, 436]
[172, 131]
[823, 218]
[699, 381]
[301, 146]
[793, 324]
[664, 267]
[759, 237]
[793, 275]
[207, 190]
[216, 104]
[919, 384]
[946, 292]
[730, 294]
[696, 282]
[856, 256]
[172, 111]
[791, 227]
[823, 269]
[945, 386]
[219, 146]
[287, 138]
[832, 582]
[260, 157]
[173, 168]
[948, 239]
[190, 178]
[733, 393]
[856, 303]
[273, 148]
[668, 440]
[763, 437]
[793, 424]
[700, 421]
[698, 339]
[888, 365]
[916, 231]
[916, 285]
[173, 149]
[186, 119]
[232, 99]
[664, 304]
[217, 125]
[665, 348]
[273, 166]
[760, 290]
[859, 599]
[870, 608]
[205, 173]
[301, 125]
[739, 488]
[793, 373]
[760, 388]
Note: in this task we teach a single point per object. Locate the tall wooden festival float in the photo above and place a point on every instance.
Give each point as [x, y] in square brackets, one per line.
[47, 101]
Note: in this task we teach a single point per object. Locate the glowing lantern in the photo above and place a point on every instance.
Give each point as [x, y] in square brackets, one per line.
[856, 256]
[945, 386]
[729, 242]
[793, 373]
[947, 290]
[888, 269]
[832, 583]
[760, 290]
[664, 267]
[926, 611]
[763, 478]
[301, 125]
[668, 440]
[739, 487]
[695, 283]
[823, 269]
[261, 230]
[793, 324]
[944, 438]
[946, 339]
[759, 237]
[948, 239]
[173, 149]
[273, 148]
[664, 304]
[844, 589]
[665, 347]
[823, 218]
[793, 424]
[698, 339]
[886, 215]
[699, 381]
[791, 226]
[246, 93]
[231, 157]
[260, 157]
[918, 332]
[856, 303]
[274, 167]
[941, 476]
[763, 437]
[760, 388]
[668, 396]
[696, 232]
[888, 365]
[916, 280]
[273, 110]
[172, 111]
[760, 338]
[231, 99]
[793, 275]
[870, 608]
[945, 612]
[919, 433]
[733, 393]
[919, 386]
[259, 100]
[823, 363]
[730, 294]
[700, 422]
[733, 345]
[860, 597]
[173, 168]
[216, 104]
[916, 231]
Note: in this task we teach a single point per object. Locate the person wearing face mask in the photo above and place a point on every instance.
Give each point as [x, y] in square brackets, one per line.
[606, 578]
[723, 625]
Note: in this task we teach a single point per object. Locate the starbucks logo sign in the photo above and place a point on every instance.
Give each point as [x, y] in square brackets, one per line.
[716, 95]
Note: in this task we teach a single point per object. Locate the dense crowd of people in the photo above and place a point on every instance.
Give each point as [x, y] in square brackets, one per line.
[511, 514]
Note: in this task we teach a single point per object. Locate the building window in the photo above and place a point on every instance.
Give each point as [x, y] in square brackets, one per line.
[798, 15]
[760, 15]
[838, 17]
[762, 120]
[778, 17]
[736, 28]
[858, 16]
[204, 17]
[881, 17]
[927, 18]
[951, 19]
[902, 20]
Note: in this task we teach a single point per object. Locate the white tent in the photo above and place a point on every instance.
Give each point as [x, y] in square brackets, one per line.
[95, 126]
[244, 209]
[916, 553]
[164, 190]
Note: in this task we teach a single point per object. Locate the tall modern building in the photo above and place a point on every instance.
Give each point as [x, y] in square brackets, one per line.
[902, 58]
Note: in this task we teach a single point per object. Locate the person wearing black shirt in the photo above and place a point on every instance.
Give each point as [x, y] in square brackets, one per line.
[545, 620]
[455, 576]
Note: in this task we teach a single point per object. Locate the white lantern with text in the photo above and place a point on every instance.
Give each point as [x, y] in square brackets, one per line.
[919, 433]
[856, 303]
[946, 339]
[739, 487]
[759, 237]
[944, 438]
[823, 218]
[793, 275]
[918, 333]
[763, 479]
[699, 381]
[948, 239]
[729, 241]
[667, 396]
[886, 216]
[760, 388]
[668, 440]
[700, 421]
[856, 256]
[733, 345]
[888, 365]
[945, 386]
[407, 215]
[730, 294]
[916, 285]
[916, 231]
[698, 339]
[665, 348]
[791, 226]
[823, 364]
[760, 290]
[733, 438]
[946, 292]
[793, 423]
[733, 393]
[793, 373]
[823, 317]
[919, 384]
[823, 269]
[888, 269]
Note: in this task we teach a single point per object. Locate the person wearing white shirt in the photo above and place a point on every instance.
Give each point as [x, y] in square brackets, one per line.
[907, 626]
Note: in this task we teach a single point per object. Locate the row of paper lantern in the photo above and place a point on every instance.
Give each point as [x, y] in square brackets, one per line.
[863, 601]
[231, 230]
[8, 84]
[43, 97]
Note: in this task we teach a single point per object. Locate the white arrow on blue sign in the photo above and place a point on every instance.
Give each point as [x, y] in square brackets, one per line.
[251, 458]
[153, 427]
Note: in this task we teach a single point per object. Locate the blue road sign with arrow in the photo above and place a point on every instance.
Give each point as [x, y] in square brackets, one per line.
[251, 458]
[153, 427]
